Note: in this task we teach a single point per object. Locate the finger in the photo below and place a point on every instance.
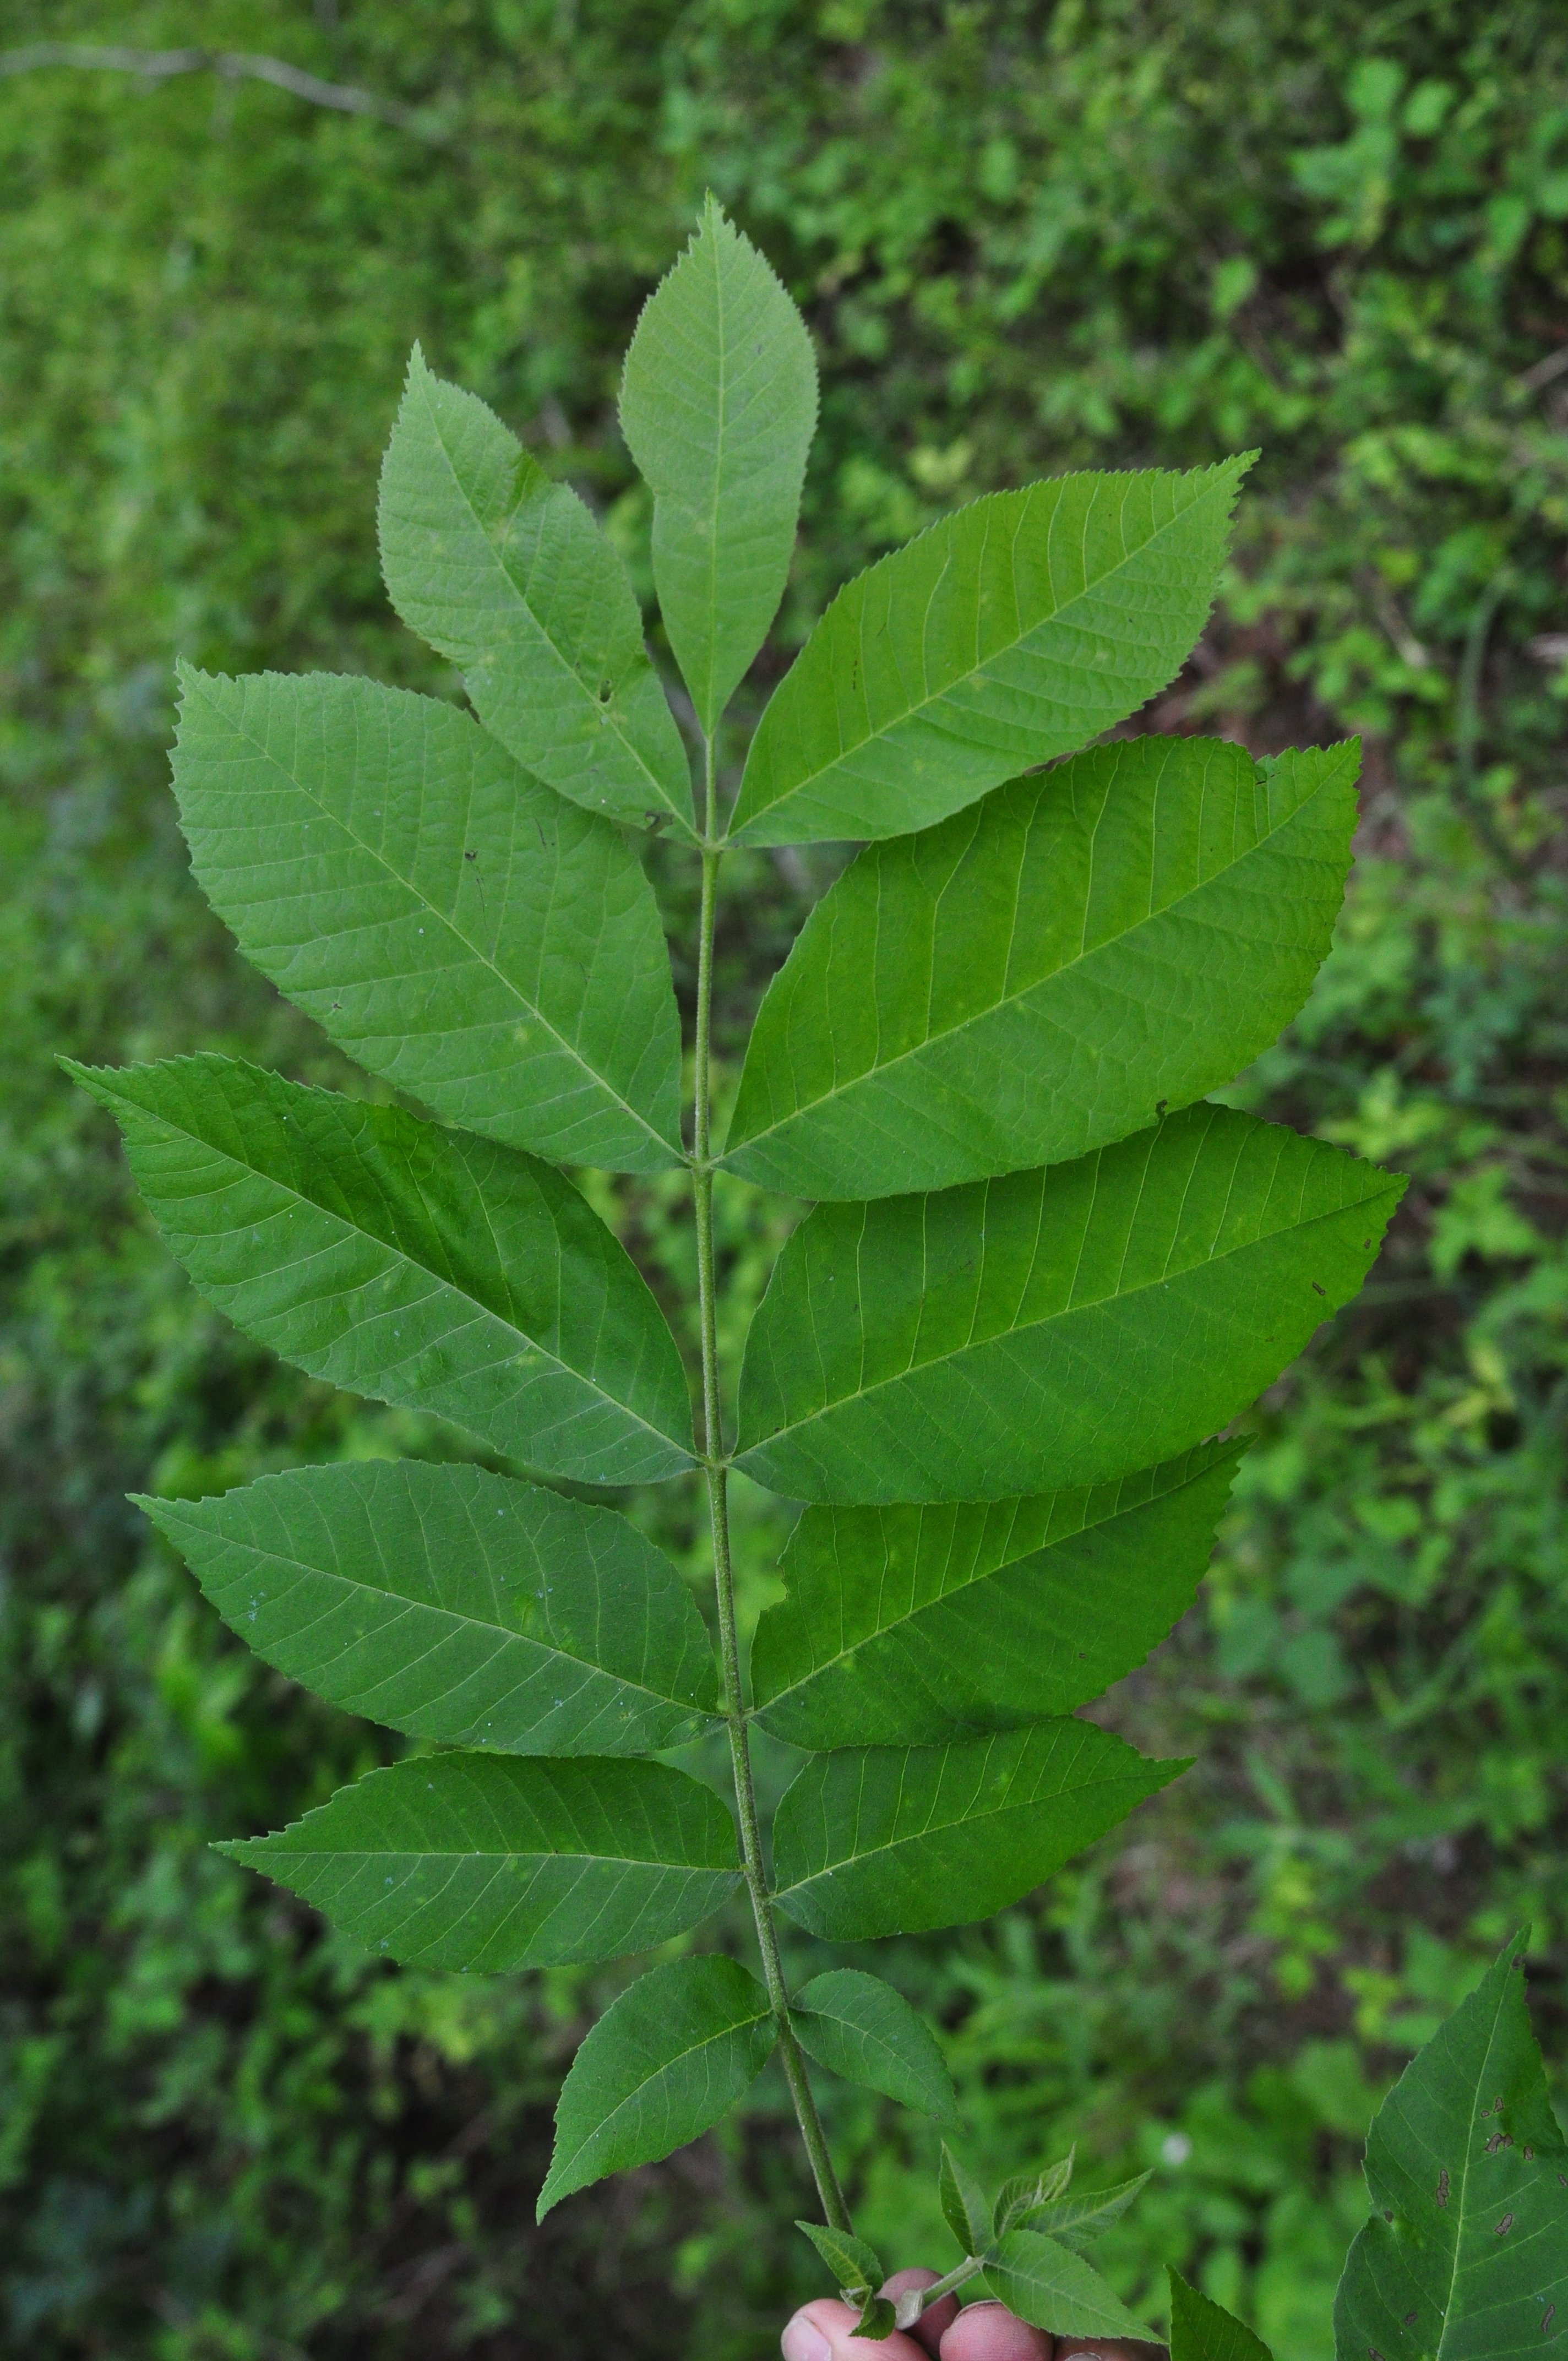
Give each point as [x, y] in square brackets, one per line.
[929, 2328]
[989, 2332]
[823, 2332]
[1073, 2348]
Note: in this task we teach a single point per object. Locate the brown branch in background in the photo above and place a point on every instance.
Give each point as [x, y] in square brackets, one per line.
[235, 65]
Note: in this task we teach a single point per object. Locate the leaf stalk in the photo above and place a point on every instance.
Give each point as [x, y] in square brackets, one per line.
[715, 1470]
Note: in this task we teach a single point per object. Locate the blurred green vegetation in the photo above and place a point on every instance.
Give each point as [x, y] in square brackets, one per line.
[1026, 236]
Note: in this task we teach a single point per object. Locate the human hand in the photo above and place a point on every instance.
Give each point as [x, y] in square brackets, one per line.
[981, 2331]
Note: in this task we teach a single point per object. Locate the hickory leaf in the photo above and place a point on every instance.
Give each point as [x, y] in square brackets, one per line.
[1466, 2257]
[1053, 2288]
[457, 1605]
[896, 1840]
[1202, 2330]
[1064, 1326]
[864, 2030]
[665, 2062]
[854, 2265]
[506, 573]
[497, 1861]
[1016, 630]
[719, 406]
[1045, 970]
[455, 925]
[1078, 2222]
[423, 1266]
[905, 1624]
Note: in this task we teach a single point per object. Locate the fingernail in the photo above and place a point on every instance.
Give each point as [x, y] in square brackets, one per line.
[804, 2341]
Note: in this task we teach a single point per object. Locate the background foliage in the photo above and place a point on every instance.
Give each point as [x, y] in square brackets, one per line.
[1026, 236]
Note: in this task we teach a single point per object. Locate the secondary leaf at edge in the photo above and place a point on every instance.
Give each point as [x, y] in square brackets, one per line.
[863, 2029]
[1467, 2170]
[668, 2060]
[1042, 973]
[456, 925]
[996, 640]
[1202, 2330]
[423, 1266]
[501, 1861]
[718, 406]
[457, 1605]
[508, 574]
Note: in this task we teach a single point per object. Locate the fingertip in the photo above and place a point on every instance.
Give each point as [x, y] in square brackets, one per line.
[932, 2324]
[824, 2331]
[989, 2332]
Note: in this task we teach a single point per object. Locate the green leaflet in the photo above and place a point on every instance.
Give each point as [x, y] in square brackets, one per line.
[1029, 2193]
[902, 1625]
[497, 1861]
[662, 2065]
[1042, 973]
[453, 923]
[1016, 630]
[1201, 2330]
[457, 1605]
[1056, 2289]
[422, 1266]
[963, 2205]
[508, 574]
[855, 2265]
[718, 406]
[1466, 2257]
[1052, 1328]
[860, 2028]
[1078, 2222]
[897, 1839]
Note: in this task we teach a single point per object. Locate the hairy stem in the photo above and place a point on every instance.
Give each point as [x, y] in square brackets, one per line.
[716, 1468]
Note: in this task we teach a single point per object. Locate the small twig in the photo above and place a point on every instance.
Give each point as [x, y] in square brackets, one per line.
[235, 65]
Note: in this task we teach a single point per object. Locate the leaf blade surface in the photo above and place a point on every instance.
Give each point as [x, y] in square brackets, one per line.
[901, 1625]
[1468, 2174]
[456, 925]
[506, 573]
[1033, 978]
[1202, 2330]
[500, 1861]
[897, 1841]
[457, 1605]
[1055, 2290]
[863, 2029]
[1051, 1329]
[1014, 631]
[420, 1266]
[668, 2060]
[718, 406]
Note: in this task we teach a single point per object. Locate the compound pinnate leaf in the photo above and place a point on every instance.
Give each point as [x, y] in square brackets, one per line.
[508, 574]
[664, 2064]
[1038, 975]
[862, 2028]
[457, 1605]
[1014, 631]
[457, 927]
[502, 1861]
[1466, 2254]
[1078, 2222]
[718, 405]
[963, 2205]
[897, 1839]
[1054, 2289]
[902, 1625]
[422, 1266]
[855, 2265]
[1202, 2330]
[1062, 1327]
